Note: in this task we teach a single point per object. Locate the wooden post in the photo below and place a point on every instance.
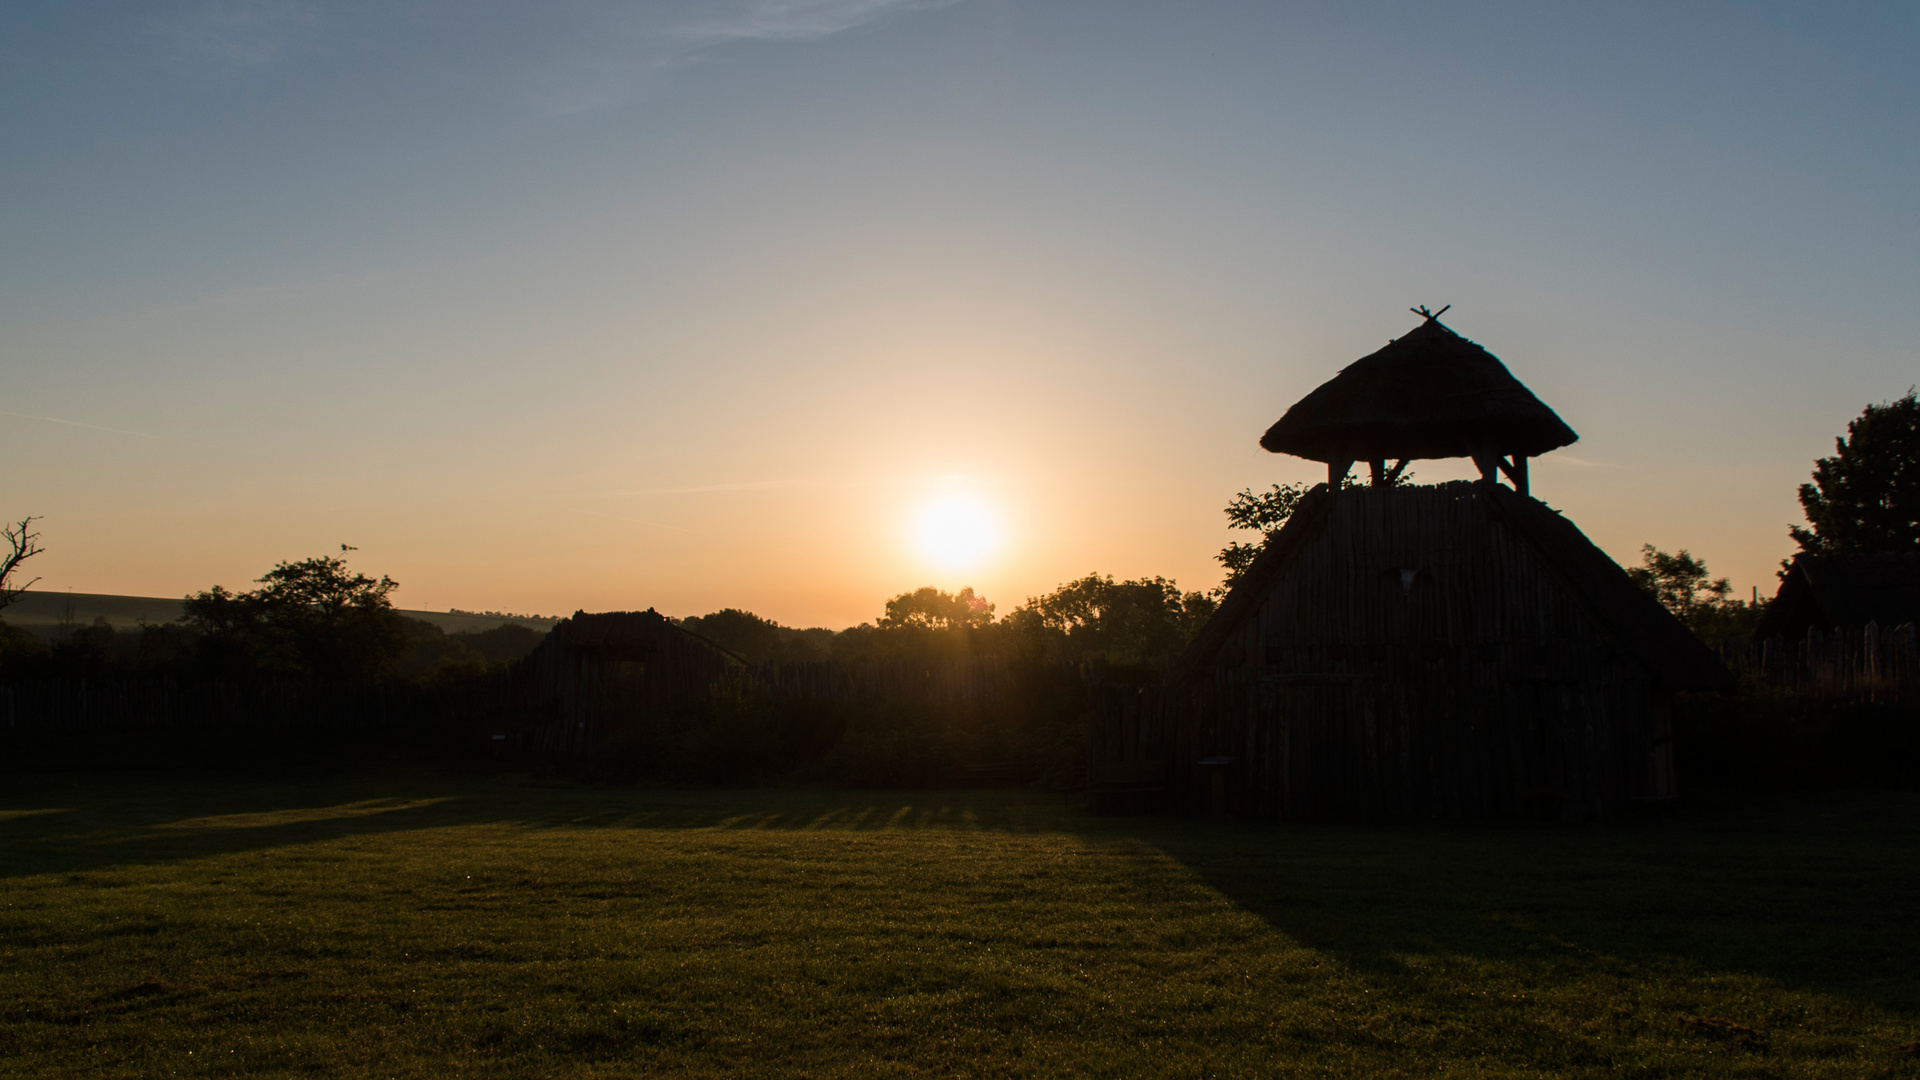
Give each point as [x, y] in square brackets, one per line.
[1377, 472]
[1516, 470]
[1337, 471]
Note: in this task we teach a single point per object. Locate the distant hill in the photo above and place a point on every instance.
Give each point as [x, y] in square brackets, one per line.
[42, 611]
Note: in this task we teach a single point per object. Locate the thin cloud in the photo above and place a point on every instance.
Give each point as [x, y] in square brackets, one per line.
[237, 34]
[751, 485]
[640, 45]
[796, 20]
[89, 427]
[637, 521]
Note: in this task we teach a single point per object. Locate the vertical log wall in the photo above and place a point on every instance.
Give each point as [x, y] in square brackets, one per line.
[1419, 658]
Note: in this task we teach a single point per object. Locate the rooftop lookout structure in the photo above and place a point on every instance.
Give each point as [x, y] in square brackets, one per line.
[1430, 394]
[1415, 650]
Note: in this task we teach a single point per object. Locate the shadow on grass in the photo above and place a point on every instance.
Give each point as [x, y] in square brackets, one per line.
[1817, 893]
[80, 823]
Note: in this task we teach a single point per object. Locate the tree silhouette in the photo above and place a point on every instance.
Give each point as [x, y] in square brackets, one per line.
[22, 544]
[929, 608]
[1147, 621]
[1866, 497]
[1704, 603]
[310, 618]
[1264, 513]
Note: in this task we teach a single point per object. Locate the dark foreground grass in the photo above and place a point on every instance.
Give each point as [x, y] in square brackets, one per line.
[422, 925]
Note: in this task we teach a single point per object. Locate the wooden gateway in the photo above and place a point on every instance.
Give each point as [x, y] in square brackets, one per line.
[1424, 651]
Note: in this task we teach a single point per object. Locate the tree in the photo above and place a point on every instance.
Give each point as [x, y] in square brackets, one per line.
[1682, 585]
[1866, 497]
[22, 544]
[930, 609]
[1148, 621]
[310, 618]
[1264, 513]
[1679, 582]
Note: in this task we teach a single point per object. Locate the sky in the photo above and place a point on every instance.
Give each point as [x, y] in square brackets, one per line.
[605, 306]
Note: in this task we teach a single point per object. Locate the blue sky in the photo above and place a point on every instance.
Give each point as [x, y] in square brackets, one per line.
[690, 305]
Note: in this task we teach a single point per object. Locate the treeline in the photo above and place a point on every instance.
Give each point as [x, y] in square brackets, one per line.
[311, 621]
[1139, 626]
[317, 621]
[938, 690]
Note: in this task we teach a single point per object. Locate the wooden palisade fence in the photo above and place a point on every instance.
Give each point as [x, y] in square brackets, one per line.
[84, 704]
[1861, 665]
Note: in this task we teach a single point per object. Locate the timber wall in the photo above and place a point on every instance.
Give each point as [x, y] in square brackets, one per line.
[1418, 659]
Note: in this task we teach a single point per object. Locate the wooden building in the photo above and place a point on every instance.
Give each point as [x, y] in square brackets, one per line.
[1416, 651]
[1843, 593]
[612, 675]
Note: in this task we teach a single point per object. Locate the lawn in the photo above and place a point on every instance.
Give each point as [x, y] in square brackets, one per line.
[420, 924]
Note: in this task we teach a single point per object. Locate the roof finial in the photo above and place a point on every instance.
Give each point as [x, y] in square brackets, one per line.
[1430, 315]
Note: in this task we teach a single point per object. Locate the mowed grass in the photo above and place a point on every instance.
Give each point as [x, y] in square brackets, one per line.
[429, 925]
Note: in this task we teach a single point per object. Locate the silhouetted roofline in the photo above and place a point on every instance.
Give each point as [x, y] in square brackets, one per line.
[1275, 557]
[631, 635]
[1429, 394]
[1643, 630]
[1844, 591]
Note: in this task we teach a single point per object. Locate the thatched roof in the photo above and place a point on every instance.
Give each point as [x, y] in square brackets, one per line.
[625, 635]
[1844, 592]
[1431, 394]
[1635, 621]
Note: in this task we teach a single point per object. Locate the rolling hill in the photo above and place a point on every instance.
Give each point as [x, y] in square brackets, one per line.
[42, 612]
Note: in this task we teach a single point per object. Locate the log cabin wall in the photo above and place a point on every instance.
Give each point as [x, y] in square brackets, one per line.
[1418, 657]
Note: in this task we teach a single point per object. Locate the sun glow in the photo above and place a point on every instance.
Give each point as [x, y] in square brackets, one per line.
[956, 532]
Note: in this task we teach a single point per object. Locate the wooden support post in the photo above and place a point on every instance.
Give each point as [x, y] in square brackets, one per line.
[1516, 470]
[1377, 472]
[1399, 467]
[1489, 467]
[1337, 471]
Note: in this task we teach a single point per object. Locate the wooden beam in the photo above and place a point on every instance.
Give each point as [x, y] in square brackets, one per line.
[1516, 470]
[1377, 472]
[1489, 467]
[1337, 471]
[1399, 467]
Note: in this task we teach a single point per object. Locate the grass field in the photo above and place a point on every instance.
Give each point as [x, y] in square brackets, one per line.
[417, 925]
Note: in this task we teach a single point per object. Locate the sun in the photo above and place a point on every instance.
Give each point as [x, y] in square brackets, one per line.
[956, 532]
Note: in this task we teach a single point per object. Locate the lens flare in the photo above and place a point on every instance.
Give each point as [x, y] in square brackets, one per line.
[956, 532]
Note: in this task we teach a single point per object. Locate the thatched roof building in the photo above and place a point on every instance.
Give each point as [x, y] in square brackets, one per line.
[1490, 518]
[1399, 650]
[1454, 650]
[611, 675]
[1844, 592]
[1430, 394]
